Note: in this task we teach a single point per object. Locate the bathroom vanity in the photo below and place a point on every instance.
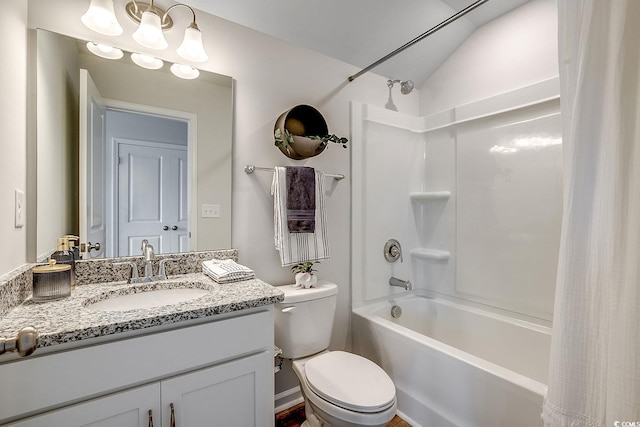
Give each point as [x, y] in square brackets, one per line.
[204, 361]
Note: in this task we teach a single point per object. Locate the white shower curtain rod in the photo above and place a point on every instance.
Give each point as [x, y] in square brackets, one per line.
[422, 36]
[252, 168]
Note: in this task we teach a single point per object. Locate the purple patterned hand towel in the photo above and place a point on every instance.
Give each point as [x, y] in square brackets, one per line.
[301, 199]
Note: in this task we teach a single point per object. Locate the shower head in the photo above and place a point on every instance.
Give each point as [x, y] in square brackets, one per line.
[406, 87]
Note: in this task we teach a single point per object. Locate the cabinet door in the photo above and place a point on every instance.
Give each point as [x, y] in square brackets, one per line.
[125, 409]
[238, 393]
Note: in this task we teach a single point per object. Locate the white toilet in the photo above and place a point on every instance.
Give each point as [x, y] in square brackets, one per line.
[340, 389]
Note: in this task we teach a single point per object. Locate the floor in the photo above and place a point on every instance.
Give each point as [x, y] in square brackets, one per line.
[294, 417]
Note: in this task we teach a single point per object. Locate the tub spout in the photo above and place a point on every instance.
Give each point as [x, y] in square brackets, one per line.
[400, 283]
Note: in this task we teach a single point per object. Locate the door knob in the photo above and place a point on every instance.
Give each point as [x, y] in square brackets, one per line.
[87, 247]
[24, 343]
[174, 228]
[165, 228]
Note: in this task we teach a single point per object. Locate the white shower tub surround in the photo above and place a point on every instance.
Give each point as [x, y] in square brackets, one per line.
[456, 365]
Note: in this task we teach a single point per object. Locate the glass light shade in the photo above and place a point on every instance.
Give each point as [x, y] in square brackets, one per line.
[149, 33]
[146, 61]
[191, 48]
[185, 71]
[101, 18]
[104, 51]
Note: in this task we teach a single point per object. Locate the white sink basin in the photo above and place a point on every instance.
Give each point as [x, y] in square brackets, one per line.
[148, 299]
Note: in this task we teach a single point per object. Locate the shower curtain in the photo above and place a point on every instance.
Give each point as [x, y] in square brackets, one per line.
[595, 355]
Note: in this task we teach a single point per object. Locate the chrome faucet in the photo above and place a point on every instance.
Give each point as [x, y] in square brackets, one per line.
[406, 284]
[148, 255]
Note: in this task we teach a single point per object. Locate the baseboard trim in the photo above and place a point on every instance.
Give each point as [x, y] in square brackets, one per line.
[407, 419]
[287, 399]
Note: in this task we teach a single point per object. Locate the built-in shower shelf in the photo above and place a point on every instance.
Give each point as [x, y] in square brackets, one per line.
[425, 196]
[430, 254]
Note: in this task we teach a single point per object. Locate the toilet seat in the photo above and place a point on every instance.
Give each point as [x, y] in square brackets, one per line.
[350, 381]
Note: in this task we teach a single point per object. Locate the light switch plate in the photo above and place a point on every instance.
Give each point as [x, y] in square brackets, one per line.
[19, 206]
[210, 211]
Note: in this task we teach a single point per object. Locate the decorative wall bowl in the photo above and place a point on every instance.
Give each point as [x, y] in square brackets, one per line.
[292, 129]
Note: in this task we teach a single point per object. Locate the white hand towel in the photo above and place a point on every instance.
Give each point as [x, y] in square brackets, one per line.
[298, 247]
[226, 271]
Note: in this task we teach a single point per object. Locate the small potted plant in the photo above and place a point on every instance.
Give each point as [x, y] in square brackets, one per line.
[304, 274]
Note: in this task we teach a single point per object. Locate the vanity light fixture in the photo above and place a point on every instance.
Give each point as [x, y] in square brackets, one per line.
[152, 22]
[185, 71]
[104, 51]
[147, 61]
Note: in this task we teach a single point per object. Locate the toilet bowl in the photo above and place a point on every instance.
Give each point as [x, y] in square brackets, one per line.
[340, 389]
[344, 389]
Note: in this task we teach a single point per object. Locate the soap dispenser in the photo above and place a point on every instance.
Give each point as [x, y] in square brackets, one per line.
[64, 256]
[74, 245]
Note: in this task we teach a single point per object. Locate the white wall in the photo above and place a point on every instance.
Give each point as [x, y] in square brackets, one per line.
[513, 51]
[13, 129]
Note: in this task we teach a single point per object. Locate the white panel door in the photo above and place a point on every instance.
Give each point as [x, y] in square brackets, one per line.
[236, 393]
[152, 197]
[92, 166]
[125, 409]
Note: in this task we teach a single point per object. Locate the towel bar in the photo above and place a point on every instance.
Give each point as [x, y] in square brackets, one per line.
[252, 168]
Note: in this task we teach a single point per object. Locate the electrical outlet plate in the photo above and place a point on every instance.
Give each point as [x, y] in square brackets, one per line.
[210, 211]
[19, 208]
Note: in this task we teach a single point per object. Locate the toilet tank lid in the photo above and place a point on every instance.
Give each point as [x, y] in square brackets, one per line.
[322, 289]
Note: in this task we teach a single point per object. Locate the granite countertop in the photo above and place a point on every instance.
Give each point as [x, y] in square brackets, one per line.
[70, 319]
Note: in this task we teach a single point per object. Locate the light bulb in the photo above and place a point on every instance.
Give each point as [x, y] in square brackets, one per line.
[104, 51]
[185, 71]
[146, 61]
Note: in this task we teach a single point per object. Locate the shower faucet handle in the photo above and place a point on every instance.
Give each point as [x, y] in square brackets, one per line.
[392, 250]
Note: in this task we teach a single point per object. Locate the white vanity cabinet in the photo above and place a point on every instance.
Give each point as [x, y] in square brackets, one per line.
[212, 374]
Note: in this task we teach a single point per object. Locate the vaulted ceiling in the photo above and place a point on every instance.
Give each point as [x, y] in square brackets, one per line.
[360, 32]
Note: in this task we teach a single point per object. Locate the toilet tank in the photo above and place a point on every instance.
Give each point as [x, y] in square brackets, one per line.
[304, 320]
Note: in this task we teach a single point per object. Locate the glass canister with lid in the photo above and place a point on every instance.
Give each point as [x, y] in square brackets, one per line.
[51, 282]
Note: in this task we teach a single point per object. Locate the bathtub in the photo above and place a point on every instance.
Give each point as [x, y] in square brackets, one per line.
[455, 365]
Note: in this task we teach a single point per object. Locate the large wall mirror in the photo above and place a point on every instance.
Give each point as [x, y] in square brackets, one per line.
[126, 153]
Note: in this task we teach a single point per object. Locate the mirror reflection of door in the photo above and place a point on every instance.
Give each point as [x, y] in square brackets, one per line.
[92, 167]
[152, 197]
[147, 192]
